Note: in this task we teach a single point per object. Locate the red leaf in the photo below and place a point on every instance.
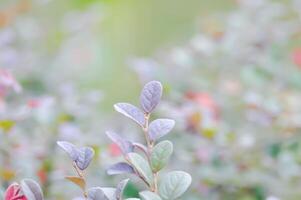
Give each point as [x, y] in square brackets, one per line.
[14, 192]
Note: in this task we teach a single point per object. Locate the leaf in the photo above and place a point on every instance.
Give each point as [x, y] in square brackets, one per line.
[96, 193]
[160, 155]
[77, 181]
[174, 184]
[109, 192]
[7, 125]
[140, 146]
[85, 156]
[120, 189]
[132, 199]
[150, 96]
[69, 148]
[31, 189]
[125, 145]
[120, 168]
[141, 166]
[160, 127]
[148, 195]
[131, 112]
[14, 192]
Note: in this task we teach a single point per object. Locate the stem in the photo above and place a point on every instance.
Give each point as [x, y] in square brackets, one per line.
[81, 175]
[150, 144]
[145, 130]
[156, 182]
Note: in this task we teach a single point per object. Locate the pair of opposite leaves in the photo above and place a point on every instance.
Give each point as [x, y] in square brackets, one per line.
[149, 99]
[82, 156]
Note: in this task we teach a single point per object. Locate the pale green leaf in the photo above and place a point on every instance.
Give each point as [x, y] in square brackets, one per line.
[160, 155]
[174, 184]
[141, 166]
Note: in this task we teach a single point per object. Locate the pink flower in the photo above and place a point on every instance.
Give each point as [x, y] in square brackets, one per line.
[14, 192]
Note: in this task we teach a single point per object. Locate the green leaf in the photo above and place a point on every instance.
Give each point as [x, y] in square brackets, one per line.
[174, 184]
[141, 166]
[160, 155]
[148, 195]
[131, 190]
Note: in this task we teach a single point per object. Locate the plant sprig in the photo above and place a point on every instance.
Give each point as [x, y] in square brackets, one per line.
[157, 155]
[146, 166]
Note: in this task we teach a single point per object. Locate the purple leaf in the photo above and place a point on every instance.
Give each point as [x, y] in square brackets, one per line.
[69, 148]
[125, 145]
[96, 193]
[85, 156]
[131, 112]
[120, 188]
[109, 192]
[150, 96]
[31, 189]
[142, 147]
[120, 168]
[160, 127]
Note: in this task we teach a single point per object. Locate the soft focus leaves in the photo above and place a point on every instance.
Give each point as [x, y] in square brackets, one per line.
[141, 166]
[174, 184]
[150, 96]
[131, 112]
[160, 127]
[160, 155]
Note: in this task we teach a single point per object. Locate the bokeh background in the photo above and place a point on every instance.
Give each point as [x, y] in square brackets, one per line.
[231, 76]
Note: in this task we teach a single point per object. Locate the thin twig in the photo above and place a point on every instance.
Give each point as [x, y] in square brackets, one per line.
[150, 145]
[81, 175]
